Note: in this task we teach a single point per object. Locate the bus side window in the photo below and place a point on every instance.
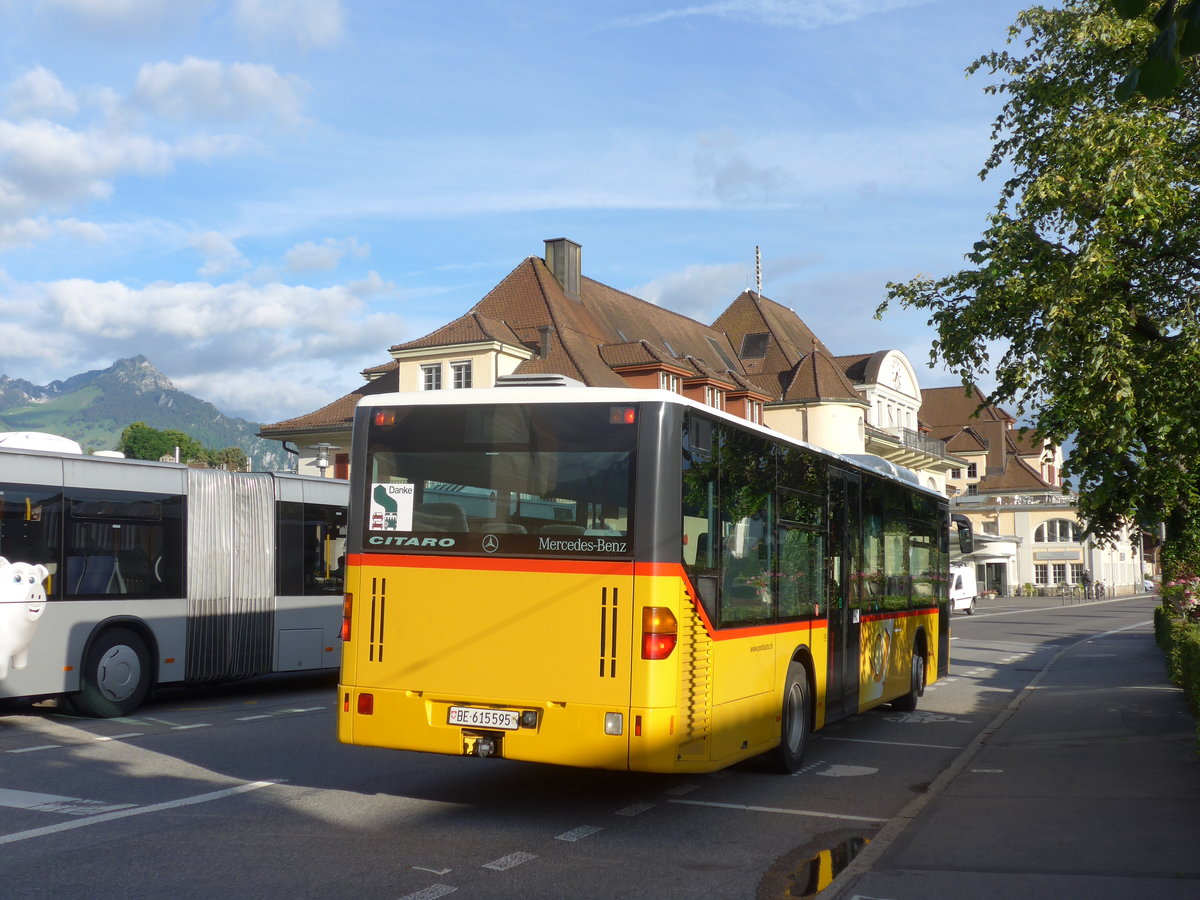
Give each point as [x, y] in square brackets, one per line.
[801, 572]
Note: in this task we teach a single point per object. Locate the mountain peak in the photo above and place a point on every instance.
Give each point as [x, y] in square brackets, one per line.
[95, 407]
[138, 372]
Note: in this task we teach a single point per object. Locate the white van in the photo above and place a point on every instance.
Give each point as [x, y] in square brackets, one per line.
[964, 591]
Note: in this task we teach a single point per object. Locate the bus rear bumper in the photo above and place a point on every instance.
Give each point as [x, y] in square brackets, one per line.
[577, 734]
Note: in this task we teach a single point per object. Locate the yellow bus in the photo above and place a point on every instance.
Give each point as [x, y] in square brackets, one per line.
[625, 579]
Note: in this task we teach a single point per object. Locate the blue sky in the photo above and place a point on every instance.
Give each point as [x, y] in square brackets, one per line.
[262, 196]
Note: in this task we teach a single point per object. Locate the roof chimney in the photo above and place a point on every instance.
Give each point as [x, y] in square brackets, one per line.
[563, 260]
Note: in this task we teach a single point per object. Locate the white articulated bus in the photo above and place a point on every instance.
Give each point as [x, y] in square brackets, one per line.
[119, 575]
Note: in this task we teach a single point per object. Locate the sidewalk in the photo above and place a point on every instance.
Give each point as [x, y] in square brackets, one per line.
[1086, 786]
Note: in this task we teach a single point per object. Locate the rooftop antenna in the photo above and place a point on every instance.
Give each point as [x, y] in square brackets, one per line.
[757, 270]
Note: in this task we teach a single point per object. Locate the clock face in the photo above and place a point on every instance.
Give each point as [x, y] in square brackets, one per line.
[897, 375]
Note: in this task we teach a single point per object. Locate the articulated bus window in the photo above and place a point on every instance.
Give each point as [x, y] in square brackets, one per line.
[311, 545]
[123, 543]
[31, 528]
[520, 479]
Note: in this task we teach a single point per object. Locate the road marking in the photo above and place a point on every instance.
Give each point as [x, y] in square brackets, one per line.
[896, 743]
[635, 810]
[841, 771]
[71, 806]
[431, 893]
[136, 811]
[187, 727]
[576, 834]
[252, 718]
[32, 749]
[120, 737]
[786, 812]
[434, 871]
[508, 862]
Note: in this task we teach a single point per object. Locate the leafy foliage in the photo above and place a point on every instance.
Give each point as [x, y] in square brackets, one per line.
[1084, 283]
[140, 441]
[1162, 69]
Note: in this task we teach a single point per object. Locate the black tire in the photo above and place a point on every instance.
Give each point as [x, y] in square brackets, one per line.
[971, 608]
[116, 674]
[795, 725]
[908, 702]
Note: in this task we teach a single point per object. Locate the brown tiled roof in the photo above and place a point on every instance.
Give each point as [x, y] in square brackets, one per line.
[1018, 475]
[789, 340]
[1026, 442]
[637, 353]
[587, 330]
[857, 366]
[466, 329]
[957, 406]
[584, 337]
[818, 377]
[959, 439]
[339, 414]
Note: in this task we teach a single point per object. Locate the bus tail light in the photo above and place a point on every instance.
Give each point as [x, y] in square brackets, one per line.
[660, 632]
[347, 606]
[366, 704]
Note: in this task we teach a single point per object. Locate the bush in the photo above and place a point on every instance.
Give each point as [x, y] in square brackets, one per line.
[1189, 665]
[1180, 641]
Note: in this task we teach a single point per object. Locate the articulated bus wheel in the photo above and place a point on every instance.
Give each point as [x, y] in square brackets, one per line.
[116, 675]
[795, 726]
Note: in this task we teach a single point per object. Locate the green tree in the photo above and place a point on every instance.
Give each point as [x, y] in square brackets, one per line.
[233, 459]
[1162, 68]
[140, 441]
[1080, 298]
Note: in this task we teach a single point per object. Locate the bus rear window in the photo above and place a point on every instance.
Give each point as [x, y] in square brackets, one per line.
[506, 480]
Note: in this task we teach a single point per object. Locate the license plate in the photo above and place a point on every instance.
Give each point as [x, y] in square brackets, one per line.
[474, 717]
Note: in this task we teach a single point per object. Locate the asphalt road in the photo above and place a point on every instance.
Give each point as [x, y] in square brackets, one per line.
[245, 792]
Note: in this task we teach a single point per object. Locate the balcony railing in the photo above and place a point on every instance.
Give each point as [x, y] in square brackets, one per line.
[1053, 499]
[914, 440]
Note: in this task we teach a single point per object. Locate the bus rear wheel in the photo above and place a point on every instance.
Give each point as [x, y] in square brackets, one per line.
[116, 675]
[795, 723]
[908, 702]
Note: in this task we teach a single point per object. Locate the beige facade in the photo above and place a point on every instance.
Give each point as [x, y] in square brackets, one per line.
[482, 362]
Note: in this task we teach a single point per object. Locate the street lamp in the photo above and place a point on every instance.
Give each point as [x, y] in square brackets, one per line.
[322, 461]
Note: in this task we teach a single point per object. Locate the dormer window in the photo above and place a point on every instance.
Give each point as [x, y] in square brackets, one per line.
[431, 377]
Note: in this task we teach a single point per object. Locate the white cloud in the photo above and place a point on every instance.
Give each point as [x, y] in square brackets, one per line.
[42, 163]
[804, 14]
[193, 311]
[305, 23]
[310, 256]
[26, 231]
[23, 232]
[208, 90]
[265, 352]
[39, 94]
[220, 255]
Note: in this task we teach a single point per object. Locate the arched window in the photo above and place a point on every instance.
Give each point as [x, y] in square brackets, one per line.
[1057, 531]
